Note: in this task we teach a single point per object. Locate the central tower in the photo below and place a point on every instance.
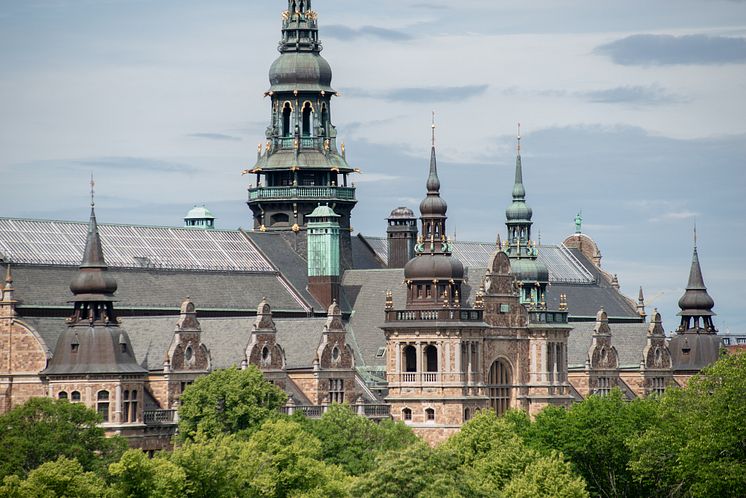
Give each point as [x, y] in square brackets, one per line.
[300, 166]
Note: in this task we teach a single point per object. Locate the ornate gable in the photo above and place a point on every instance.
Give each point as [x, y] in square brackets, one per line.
[187, 351]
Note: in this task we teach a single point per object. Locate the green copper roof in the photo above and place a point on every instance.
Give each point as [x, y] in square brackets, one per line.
[519, 211]
[198, 213]
[323, 212]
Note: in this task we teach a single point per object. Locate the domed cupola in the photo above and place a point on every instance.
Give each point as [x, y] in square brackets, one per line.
[433, 276]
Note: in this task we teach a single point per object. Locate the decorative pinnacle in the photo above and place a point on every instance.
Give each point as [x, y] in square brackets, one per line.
[8, 275]
[433, 127]
[519, 139]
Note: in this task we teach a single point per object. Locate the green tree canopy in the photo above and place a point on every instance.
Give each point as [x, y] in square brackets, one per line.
[229, 401]
[137, 476]
[546, 477]
[352, 441]
[593, 435]
[43, 429]
[697, 446]
[62, 478]
[417, 470]
[281, 459]
[208, 465]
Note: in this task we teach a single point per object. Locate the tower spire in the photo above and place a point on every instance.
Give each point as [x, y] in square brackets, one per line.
[433, 127]
[696, 303]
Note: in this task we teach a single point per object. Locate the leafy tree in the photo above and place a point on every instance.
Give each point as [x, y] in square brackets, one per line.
[697, 446]
[43, 429]
[417, 470]
[208, 464]
[137, 476]
[62, 478]
[229, 401]
[593, 435]
[281, 459]
[353, 442]
[547, 477]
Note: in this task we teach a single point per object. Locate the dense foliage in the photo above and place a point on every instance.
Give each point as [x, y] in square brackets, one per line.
[43, 429]
[689, 443]
[229, 401]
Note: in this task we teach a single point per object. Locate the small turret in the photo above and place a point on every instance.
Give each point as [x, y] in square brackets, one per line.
[200, 217]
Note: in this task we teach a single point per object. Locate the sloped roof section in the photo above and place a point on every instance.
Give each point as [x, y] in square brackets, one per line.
[44, 242]
[49, 286]
[564, 266]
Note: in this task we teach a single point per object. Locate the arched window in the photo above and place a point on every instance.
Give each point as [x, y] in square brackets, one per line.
[410, 359]
[431, 358]
[102, 404]
[287, 111]
[406, 414]
[499, 385]
[430, 415]
[62, 395]
[307, 119]
[75, 396]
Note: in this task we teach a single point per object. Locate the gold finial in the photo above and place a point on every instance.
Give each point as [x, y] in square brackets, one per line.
[519, 138]
[93, 185]
[433, 127]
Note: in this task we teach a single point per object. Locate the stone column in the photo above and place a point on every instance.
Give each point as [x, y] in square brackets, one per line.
[118, 404]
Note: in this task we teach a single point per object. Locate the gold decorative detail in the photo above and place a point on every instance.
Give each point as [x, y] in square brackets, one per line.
[295, 92]
[296, 228]
[389, 300]
[285, 15]
[262, 228]
[343, 148]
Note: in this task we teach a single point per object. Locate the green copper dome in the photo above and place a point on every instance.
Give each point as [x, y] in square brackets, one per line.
[302, 71]
[529, 270]
[519, 211]
[199, 212]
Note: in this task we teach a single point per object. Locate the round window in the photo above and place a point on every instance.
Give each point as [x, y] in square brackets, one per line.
[188, 353]
[335, 353]
[265, 353]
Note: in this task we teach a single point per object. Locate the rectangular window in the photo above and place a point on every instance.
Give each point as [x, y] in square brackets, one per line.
[336, 391]
[603, 386]
[741, 340]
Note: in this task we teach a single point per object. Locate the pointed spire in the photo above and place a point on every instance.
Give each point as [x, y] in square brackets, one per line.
[93, 255]
[519, 191]
[641, 304]
[433, 182]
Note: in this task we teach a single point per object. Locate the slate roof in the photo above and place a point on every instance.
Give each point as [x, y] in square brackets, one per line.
[563, 264]
[48, 286]
[226, 338]
[629, 339]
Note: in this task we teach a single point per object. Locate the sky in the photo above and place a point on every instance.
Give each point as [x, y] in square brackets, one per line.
[632, 111]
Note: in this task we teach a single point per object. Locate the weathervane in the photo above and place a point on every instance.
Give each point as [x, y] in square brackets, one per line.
[93, 184]
[519, 138]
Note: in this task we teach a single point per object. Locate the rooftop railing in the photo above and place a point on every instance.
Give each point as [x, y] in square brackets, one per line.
[438, 315]
[297, 192]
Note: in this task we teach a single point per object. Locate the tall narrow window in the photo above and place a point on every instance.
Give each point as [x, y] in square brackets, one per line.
[307, 119]
[336, 391]
[287, 111]
[126, 406]
[603, 386]
[499, 386]
[324, 116]
[133, 406]
[102, 404]
[431, 358]
[406, 414]
[410, 359]
[430, 415]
